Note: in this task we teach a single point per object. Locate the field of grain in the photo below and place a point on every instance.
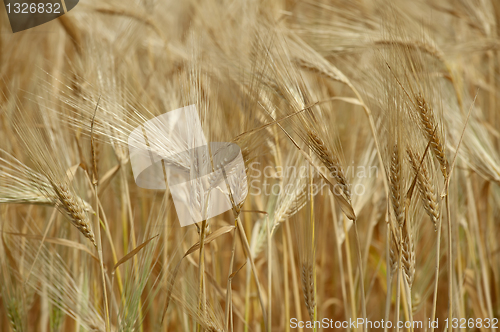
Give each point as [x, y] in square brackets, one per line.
[370, 136]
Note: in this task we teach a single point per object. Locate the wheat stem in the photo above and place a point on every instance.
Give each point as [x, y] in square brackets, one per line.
[229, 280]
[388, 271]
[400, 271]
[349, 271]
[361, 279]
[101, 260]
[248, 252]
[295, 282]
[339, 256]
[201, 275]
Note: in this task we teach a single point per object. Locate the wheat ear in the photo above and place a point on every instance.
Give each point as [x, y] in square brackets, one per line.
[331, 161]
[74, 209]
[425, 187]
[308, 288]
[408, 254]
[395, 186]
[429, 126]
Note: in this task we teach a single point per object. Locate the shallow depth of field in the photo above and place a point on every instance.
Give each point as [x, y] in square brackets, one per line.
[370, 134]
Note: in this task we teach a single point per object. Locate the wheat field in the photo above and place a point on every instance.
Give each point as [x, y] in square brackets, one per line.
[370, 136]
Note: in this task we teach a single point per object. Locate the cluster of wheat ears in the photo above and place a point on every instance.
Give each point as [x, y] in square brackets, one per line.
[378, 117]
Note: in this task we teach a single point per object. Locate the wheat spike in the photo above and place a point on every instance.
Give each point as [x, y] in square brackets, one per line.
[431, 133]
[425, 187]
[331, 162]
[308, 288]
[74, 210]
[408, 254]
[395, 186]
